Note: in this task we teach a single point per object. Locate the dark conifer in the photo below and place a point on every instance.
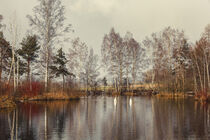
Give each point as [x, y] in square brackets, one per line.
[29, 51]
[59, 67]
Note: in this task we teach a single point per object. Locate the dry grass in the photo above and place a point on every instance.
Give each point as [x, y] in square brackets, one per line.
[129, 93]
[115, 94]
[56, 96]
[6, 102]
[203, 98]
[145, 86]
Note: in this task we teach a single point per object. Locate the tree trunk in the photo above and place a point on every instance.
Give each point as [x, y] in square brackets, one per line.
[17, 72]
[116, 85]
[195, 82]
[199, 73]
[204, 77]
[14, 71]
[183, 82]
[127, 81]
[46, 77]
[28, 71]
[47, 69]
[30, 75]
[121, 75]
[47, 35]
[10, 71]
[87, 83]
[63, 82]
[207, 71]
[133, 75]
[1, 69]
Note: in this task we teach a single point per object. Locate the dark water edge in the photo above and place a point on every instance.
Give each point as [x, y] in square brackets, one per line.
[107, 118]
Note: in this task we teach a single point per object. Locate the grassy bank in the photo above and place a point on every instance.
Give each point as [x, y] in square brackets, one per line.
[52, 96]
[9, 102]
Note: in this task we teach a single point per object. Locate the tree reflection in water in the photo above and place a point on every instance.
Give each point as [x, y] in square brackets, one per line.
[107, 118]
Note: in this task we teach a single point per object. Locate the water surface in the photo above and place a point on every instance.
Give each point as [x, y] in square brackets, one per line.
[107, 118]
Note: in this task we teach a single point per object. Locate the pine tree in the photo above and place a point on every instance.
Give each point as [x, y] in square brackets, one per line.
[29, 51]
[59, 67]
[5, 53]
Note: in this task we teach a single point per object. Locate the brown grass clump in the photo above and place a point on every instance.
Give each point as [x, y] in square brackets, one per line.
[202, 96]
[129, 93]
[6, 102]
[115, 93]
[57, 96]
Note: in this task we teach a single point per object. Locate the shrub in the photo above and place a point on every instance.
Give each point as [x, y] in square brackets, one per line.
[36, 88]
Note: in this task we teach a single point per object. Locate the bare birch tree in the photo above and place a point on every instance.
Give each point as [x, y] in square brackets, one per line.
[135, 57]
[206, 52]
[169, 50]
[14, 36]
[77, 56]
[112, 51]
[90, 70]
[48, 21]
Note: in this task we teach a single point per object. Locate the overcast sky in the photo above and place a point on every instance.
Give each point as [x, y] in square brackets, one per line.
[91, 19]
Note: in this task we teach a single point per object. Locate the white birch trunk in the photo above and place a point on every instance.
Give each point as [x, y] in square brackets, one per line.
[14, 73]
[30, 77]
[17, 72]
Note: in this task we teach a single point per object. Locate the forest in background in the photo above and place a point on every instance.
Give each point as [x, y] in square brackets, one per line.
[165, 61]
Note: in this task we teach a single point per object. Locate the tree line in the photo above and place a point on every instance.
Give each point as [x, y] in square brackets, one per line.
[166, 60]
[177, 64]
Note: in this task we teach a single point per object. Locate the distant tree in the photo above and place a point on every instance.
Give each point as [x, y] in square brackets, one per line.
[48, 21]
[77, 57]
[29, 52]
[134, 58]
[168, 52]
[113, 57]
[104, 82]
[59, 65]
[206, 52]
[199, 64]
[90, 70]
[128, 56]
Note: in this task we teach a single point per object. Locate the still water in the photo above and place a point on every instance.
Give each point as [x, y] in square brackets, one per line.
[107, 118]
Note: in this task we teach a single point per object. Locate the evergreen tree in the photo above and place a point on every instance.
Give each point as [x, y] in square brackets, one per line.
[104, 81]
[59, 67]
[29, 51]
[5, 54]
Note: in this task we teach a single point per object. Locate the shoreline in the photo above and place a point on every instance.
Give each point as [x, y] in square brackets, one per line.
[7, 102]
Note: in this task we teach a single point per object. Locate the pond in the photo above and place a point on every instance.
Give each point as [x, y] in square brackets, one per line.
[107, 118]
